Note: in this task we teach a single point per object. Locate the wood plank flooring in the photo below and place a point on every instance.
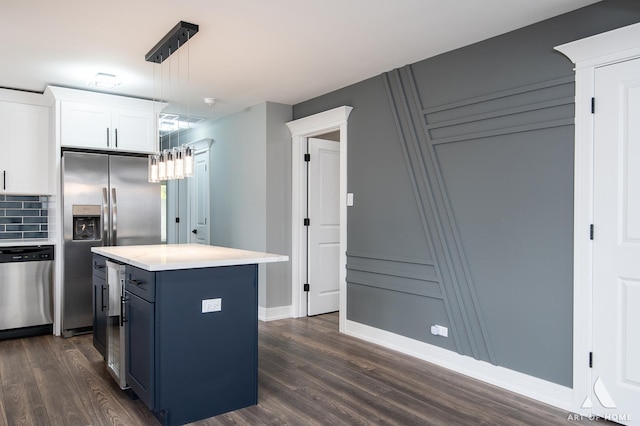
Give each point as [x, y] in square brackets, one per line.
[309, 374]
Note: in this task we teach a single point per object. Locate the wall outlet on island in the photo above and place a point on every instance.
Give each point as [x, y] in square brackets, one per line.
[211, 305]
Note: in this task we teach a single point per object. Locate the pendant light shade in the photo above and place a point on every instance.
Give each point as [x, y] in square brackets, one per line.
[188, 161]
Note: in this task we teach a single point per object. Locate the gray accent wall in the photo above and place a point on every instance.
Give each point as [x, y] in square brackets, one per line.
[250, 169]
[461, 167]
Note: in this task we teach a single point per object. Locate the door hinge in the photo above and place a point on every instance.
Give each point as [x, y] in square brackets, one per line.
[307, 221]
[177, 220]
[591, 231]
[590, 359]
[306, 287]
[593, 105]
[307, 157]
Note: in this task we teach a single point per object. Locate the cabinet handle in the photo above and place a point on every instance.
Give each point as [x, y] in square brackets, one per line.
[138, 283]
[123, 318]
[100, 267]
[102, 297]
[107, 137]
[116, 137]
[4, 179]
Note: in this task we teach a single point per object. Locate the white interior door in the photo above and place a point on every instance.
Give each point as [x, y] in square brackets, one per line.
[199, 199]
[616, 244]
[324, 228]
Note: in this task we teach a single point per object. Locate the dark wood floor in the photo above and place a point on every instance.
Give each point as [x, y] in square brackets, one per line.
[309, 374]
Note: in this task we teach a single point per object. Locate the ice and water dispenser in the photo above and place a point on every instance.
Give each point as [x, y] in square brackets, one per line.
[86, 222]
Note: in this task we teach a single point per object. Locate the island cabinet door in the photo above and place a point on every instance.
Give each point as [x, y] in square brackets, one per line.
[139, 329]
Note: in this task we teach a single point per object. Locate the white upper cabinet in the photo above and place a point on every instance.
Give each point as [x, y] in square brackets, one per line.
[106, 122]
[25, 148]
[134, 130]
[85, 125]
[102, 127]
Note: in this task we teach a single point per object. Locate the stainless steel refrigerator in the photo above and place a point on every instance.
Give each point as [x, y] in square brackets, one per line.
[108, 201]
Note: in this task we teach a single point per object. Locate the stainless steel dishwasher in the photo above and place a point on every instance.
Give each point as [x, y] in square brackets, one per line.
[26, 291]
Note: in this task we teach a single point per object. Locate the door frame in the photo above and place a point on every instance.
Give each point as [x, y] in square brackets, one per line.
[301, 129]
[192, 194]
[199, 147]
[588, 54]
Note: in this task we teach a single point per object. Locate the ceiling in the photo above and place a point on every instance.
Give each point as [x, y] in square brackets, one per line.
[246, 51]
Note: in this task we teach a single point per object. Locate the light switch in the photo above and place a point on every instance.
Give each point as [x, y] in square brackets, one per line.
[349, 199]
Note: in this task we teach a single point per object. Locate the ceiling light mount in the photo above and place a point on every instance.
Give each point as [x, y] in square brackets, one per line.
[175, 38]
[105, 81]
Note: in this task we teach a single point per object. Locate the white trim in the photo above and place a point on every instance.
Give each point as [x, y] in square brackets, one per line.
[588, 54]
[275, 313]
[532, 387]
[301, 129]
[200, 145]
[602, 49]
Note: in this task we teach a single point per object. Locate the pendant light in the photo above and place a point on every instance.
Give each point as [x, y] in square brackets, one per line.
[176, 162]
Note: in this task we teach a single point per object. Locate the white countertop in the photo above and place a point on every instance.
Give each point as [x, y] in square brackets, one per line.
[28, 242]
[164, 257]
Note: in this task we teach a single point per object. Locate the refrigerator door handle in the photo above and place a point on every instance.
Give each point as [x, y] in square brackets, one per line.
[114, 218]
[105, 217]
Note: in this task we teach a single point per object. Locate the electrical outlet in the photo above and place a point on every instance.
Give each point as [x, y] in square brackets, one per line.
[443, 331]
[440, 330]
[211, 305]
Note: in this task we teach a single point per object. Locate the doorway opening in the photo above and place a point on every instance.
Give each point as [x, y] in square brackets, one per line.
[187, 210]
[334, 124]
[323, 224]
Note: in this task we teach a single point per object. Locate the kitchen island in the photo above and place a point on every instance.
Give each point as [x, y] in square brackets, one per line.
[190, 321]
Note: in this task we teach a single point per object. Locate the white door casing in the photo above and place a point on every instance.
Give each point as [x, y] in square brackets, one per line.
[616, 244]
[324, 227]
[589, 54]
[198, 190]
[302, 129]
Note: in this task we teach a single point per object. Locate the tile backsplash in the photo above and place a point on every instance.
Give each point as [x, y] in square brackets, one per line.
[23, 217]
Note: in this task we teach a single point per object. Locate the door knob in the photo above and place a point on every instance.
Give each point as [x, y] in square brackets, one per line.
[195, 231]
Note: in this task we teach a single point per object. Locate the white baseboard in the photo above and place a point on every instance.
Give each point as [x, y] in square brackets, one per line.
[532, 387]
[276, 313]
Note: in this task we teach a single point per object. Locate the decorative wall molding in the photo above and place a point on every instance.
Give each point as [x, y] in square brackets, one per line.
[466, 323]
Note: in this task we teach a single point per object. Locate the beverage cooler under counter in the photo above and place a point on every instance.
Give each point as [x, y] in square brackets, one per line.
[190, 322]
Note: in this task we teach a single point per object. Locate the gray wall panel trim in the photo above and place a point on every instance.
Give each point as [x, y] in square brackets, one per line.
[501, 94]
[506, 131]
[462, 282]
[376, 256]
[394, 273]
[418, 288]
[501, 113]
[451, 282]
[408, 137]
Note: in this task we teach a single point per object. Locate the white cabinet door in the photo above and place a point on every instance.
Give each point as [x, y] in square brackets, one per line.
[102, 127]
[85, 125]
[133, 130]
[24, 143]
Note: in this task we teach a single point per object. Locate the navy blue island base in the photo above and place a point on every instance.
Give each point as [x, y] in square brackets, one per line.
[186, 365]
